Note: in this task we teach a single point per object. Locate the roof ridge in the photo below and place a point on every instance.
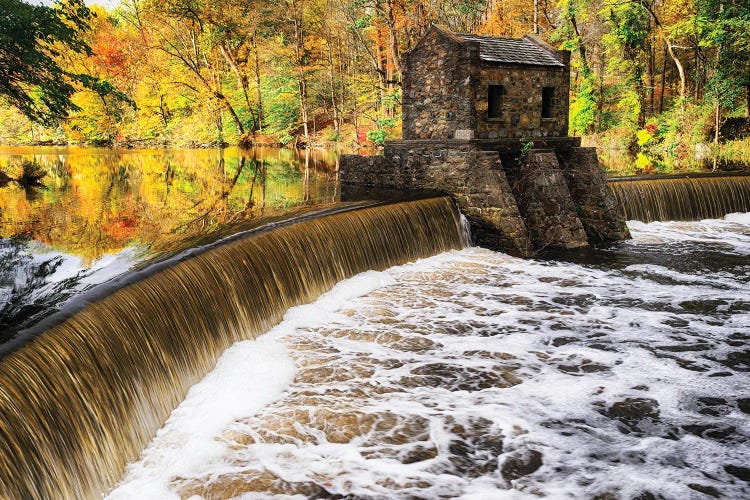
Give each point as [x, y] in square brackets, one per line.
[444, 30]
[490, 36]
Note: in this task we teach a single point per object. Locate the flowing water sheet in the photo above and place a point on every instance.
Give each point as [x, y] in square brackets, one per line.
[473, 374]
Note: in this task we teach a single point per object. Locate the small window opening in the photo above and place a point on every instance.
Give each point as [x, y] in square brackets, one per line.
[494, 101]
[548, 94]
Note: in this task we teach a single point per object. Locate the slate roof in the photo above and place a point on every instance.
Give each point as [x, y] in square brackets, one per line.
[512, 51]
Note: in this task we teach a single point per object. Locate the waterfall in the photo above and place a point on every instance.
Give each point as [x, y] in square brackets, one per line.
[83, 398]
[685, 197]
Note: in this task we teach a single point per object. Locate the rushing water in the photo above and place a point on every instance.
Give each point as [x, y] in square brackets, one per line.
[611, 373]
[474, 374]
[80, 400]
[682, 197]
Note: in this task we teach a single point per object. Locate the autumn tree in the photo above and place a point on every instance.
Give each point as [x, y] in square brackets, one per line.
[31, 38]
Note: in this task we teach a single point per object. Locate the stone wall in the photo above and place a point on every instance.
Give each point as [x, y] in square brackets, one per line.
[473, 177]
[445, 86]
[516, 201]
[545, 201]
[596, 205]
[438, 91]
[522, 102]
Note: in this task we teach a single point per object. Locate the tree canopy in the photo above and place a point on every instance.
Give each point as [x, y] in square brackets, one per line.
[33, 39]
[648, 74]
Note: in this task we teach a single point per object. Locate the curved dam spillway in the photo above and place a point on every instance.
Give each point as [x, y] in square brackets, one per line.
[682, 197]
[83, 398]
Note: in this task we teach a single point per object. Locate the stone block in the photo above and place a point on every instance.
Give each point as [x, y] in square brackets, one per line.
[464, 134]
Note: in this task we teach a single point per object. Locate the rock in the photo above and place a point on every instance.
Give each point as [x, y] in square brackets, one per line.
[706, 490]
[521, 464]
[637, 415]
[634, 409]
[742, 473]
[464, 134]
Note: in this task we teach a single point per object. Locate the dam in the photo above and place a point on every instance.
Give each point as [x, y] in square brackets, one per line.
[460, 371]
[508, 322]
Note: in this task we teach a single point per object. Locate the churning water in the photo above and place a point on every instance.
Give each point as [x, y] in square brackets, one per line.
[82, 399]
[478, 375]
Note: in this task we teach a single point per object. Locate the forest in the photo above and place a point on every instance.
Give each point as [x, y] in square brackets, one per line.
[650, 77]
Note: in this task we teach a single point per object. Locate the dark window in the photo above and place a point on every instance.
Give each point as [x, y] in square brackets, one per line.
[548, 94]
[494, 101]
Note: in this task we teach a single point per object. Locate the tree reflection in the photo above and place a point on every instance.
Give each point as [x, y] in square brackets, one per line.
[98, 203]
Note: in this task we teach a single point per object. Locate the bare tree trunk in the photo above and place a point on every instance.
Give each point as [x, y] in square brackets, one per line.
[747, 101]
[236, 119]
[219, 127]
[696, 90]
[332, 89]
[581, 48]
[663, 80]
[390, 20]
[670, 48]
[717, 106]
[650, 80]
[342, 84]
[640, 89]
[229, 57]
[162, 110]
[381, 70]
[254, 43]
[299, 38]
[680, 69]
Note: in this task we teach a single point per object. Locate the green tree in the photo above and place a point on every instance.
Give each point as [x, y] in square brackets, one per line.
[31, 39]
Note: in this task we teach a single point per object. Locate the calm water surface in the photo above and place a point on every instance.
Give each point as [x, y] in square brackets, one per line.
[103, 212]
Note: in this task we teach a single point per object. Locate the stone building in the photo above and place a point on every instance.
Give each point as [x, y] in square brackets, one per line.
[471, 86]
[485, 119]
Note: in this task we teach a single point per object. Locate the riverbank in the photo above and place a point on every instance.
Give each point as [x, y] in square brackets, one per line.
[673, 143]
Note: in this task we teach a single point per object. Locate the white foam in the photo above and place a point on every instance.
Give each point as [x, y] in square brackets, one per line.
[399, 393]
[247, 377]
[731, 233]
[739, 218]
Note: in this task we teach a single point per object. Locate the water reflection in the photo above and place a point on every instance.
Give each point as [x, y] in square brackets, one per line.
[99, 206]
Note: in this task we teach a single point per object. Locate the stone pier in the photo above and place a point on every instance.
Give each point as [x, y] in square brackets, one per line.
[518, 197]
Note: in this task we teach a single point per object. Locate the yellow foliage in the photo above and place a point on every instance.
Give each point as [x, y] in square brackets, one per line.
[644, 137]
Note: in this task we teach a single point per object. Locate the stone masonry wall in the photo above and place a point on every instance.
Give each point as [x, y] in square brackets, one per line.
[545, 201]
[445, 86]
[515, 202]
[522, 102]
[595, 203]
[437, 88]
[473, 177]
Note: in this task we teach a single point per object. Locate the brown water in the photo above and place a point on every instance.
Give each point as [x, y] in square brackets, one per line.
[455, 339]
[84, 398]
[685, 198]
[476, 375]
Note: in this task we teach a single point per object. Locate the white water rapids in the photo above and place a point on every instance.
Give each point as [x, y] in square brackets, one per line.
[473, 374]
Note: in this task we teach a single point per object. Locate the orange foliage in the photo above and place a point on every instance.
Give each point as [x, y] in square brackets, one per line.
[109, 53]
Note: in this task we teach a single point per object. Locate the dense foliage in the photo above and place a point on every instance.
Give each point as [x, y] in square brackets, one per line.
[36, 44]
[652, 76]
[32, 38]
